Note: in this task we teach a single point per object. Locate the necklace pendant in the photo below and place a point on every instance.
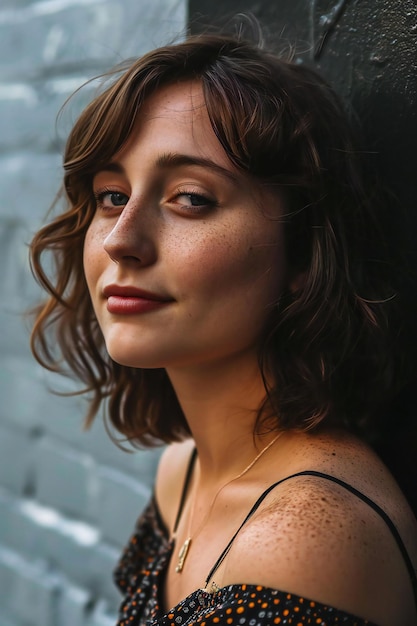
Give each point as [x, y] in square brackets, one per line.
[182, 555]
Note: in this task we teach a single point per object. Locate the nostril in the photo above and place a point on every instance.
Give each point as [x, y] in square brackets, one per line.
[131, 258]
[125, 257]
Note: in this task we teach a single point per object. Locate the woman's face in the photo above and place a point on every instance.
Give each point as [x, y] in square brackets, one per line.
[184, 257]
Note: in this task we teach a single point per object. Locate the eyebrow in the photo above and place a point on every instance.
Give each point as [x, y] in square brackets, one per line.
[178, 160]
[173, 160]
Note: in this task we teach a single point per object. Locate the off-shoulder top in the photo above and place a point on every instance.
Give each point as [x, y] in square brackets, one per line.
[141, 571]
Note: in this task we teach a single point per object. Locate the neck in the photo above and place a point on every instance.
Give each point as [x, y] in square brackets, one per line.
[221, 407]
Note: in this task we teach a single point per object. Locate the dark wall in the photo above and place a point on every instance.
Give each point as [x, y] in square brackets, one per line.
[367, 49]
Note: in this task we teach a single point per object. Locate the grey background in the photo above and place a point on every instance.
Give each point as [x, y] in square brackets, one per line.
[68, 499]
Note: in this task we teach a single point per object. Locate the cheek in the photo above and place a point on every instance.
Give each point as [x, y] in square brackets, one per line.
[225, 263]
[92, 256]
[261, 273]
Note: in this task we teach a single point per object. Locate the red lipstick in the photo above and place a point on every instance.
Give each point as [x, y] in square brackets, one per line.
[126, 300]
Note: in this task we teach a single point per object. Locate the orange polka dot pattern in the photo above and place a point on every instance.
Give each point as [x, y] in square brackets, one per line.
[140, 573]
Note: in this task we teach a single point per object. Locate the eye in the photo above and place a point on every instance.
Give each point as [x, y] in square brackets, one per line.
[193, 199]
[108, 199]
[192, 202]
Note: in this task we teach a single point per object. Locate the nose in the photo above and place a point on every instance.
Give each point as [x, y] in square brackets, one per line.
[132, 239]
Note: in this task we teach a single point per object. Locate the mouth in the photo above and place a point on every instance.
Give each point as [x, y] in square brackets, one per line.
[127, 300]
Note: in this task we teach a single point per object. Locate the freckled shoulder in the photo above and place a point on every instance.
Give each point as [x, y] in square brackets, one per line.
[315, 539]
[170, 479]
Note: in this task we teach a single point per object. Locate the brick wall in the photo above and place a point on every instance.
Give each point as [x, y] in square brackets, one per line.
[68, 499]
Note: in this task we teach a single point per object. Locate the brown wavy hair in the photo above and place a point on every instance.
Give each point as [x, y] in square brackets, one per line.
[328, 346]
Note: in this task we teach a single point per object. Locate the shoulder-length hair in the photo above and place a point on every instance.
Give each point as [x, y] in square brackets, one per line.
[327, 347]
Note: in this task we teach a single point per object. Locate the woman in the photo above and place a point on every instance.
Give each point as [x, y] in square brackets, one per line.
[218, 283]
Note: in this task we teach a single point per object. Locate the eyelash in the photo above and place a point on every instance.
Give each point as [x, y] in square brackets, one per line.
[205, 203]
[100, 195]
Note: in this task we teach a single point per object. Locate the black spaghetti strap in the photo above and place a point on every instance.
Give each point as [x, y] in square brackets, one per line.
[352, 490]
[388, 521]
[185, 488]
[249, 515]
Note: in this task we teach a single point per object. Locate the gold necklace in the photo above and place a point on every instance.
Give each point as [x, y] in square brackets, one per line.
[183, 553]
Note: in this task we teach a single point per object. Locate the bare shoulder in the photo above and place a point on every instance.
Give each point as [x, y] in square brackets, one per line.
[314, 538]
[170, 478]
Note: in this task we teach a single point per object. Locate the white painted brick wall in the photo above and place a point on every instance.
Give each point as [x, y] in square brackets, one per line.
[68, 499]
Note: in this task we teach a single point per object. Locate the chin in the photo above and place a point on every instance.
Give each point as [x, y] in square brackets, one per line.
[126, 348]
[132, 356]
[133, 360]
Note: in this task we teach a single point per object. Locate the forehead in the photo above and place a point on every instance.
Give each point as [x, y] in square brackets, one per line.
[175, 120]
[185, 99]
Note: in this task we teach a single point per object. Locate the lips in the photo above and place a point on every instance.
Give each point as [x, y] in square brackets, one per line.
[128, 300]
[133, 292]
